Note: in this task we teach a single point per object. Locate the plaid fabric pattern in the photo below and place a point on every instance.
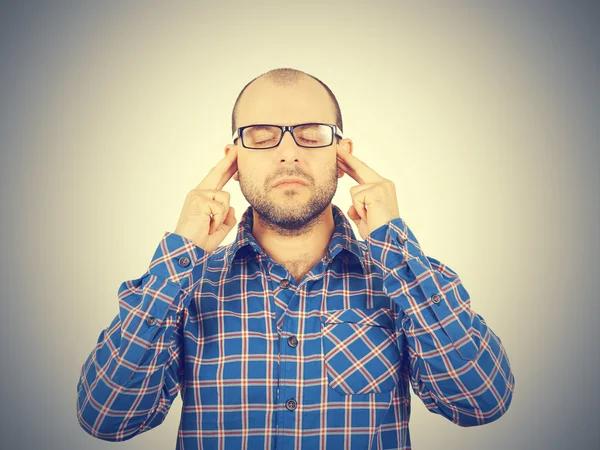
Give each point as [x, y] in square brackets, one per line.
[262, 361]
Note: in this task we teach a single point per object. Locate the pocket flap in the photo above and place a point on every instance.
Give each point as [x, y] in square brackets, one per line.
[378, 317]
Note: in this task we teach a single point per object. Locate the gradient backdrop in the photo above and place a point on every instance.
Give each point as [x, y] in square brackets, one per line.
[485, 116]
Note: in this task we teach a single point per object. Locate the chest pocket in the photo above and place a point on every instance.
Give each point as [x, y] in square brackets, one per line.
[360, 351]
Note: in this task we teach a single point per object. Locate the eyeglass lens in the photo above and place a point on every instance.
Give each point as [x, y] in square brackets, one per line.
[264, 136]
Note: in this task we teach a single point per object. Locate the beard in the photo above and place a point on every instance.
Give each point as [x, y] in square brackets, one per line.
[290, 212]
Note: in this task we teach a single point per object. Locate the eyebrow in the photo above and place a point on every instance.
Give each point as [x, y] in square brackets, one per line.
[261, 126]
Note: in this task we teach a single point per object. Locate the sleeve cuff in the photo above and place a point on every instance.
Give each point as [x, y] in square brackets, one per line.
[178, 259]
[392, 244]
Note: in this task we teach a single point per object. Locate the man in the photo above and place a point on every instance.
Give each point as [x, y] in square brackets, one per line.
[296, 335]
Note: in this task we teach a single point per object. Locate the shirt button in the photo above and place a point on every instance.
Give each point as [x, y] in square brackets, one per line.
[184, 261]
[435, 298]
[284, 283]
[293, 341]
[151, 320]
[291, 404]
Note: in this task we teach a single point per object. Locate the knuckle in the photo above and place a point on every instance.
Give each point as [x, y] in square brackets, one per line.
[195, 194]
[220, 193]
[192, 197]
[195, 199]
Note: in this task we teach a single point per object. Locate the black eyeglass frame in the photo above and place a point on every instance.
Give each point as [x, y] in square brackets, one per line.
[239, 132]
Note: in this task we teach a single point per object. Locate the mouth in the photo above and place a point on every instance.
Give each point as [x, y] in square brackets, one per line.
[290, 182]
[290, 185]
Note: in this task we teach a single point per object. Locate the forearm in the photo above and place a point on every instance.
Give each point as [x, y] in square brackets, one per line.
[130, 379]
[458, 366]
[466, 392]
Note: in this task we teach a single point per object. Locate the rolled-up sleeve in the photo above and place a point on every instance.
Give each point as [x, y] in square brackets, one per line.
[132, 375]
[457, 364]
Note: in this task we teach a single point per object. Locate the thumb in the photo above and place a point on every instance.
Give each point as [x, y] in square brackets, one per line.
[353, 214]
[230, 220]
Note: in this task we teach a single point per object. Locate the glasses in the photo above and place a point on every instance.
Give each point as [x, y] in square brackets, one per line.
[310, 135]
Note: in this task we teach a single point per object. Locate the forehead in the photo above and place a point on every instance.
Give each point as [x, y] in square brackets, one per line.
[266, 102]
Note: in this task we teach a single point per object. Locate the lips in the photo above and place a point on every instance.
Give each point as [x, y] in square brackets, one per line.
[289, 180]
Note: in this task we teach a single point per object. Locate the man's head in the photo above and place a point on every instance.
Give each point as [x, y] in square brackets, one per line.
[287, 97]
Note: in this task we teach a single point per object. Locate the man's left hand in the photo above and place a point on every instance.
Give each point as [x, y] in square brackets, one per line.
[374, 200]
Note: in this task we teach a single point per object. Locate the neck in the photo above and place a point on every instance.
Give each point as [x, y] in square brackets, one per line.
[308, 244]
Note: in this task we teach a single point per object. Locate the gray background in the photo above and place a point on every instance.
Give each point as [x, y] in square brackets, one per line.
[485, 116]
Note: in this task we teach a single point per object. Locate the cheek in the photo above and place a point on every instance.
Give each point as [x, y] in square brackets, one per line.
[250, 172]
[325, 166]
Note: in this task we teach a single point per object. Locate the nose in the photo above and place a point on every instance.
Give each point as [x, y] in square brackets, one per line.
[287, 134]
[287, 147]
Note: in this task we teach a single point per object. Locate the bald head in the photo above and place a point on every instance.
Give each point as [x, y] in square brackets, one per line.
[287, 78]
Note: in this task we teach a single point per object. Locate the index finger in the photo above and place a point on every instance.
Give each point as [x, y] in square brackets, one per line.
[357, 169]
[221, 173]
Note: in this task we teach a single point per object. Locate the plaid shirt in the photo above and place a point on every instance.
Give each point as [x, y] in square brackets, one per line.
[264, 362]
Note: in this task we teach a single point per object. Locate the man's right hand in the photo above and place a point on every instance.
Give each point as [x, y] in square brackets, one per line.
[205, 219]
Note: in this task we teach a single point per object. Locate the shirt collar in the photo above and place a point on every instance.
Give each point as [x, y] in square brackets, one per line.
[343, 239]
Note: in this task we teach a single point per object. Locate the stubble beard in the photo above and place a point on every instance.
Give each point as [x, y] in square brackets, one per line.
[288, 215]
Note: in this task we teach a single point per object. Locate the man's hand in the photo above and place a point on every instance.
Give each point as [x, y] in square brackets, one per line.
[374, 200]
[206, 216]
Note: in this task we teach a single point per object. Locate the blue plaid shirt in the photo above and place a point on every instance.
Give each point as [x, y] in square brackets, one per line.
[265, 362]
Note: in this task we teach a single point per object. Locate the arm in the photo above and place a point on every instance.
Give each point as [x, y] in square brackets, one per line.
[132, 376]
[458, 366]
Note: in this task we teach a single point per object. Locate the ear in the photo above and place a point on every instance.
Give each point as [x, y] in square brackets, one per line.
[348, 146]
[228, 148]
